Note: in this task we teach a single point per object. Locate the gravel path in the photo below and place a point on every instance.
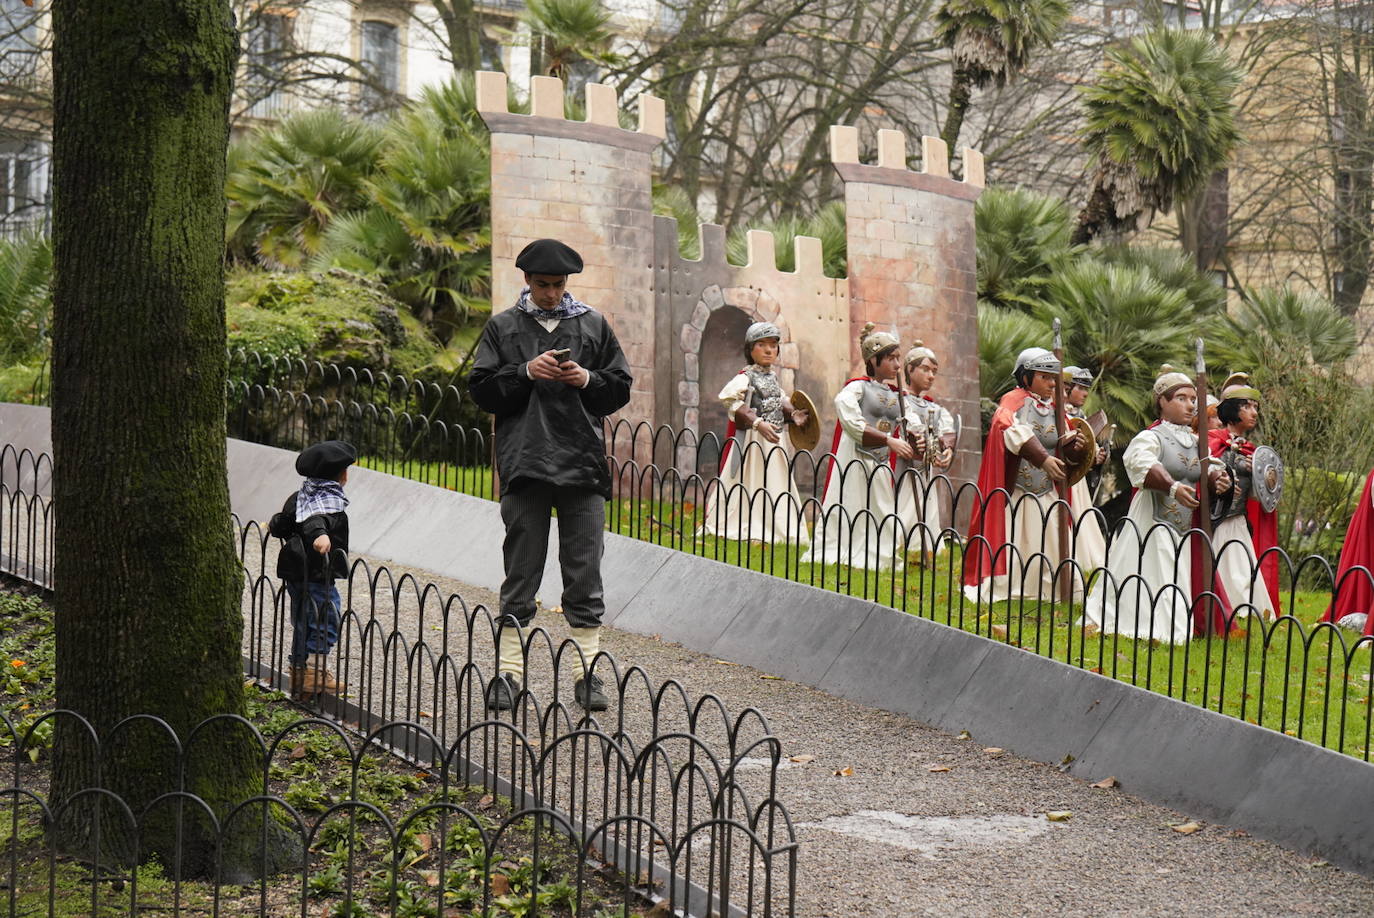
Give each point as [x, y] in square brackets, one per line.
[934, 824]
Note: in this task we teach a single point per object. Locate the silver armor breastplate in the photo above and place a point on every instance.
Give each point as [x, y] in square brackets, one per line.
[1235, 466]
[1041, 422]
[767, 397]
[1178, 455]
[882, 410]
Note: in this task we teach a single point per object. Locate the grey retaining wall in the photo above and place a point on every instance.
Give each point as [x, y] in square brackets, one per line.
[1216, 767]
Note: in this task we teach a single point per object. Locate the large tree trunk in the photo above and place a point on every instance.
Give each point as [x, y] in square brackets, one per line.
[148, 589]
[462, 25]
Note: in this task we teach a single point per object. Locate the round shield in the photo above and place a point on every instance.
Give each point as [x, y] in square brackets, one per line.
[805, 436]
[1080, 461]
[1268, 477]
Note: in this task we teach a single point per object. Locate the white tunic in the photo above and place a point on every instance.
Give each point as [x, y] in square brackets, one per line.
[754, 498]
[1157, 605]
[862, 521]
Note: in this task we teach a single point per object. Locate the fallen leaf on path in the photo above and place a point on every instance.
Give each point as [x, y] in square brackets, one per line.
[726, 663]
[556, 610]
[938, 768]
[802, 759]
[766, 676]
[845, 772]
[1106, 783]
[993, 750]
[1186, 828]
[1316, 864]
[964, 734]
[1058, 815]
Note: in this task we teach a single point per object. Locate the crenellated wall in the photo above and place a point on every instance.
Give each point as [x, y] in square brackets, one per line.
[910, 243]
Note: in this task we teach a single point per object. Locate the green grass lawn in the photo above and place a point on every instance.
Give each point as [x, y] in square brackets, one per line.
[1283, 676]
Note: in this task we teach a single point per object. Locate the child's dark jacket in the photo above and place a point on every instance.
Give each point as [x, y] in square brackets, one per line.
[298, 558]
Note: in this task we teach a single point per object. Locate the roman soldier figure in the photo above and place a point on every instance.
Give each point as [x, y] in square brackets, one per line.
[863, 521]
[1089, 541]
[754, 498]
[1013, 548]
[1150, 585]
[1244, 532]
[933, 434]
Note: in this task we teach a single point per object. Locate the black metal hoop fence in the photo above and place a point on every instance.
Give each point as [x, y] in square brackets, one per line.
[904, 541]
[676, 795]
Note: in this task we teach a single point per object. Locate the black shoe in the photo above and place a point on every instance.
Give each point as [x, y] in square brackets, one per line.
[590, 694]
[501, 693]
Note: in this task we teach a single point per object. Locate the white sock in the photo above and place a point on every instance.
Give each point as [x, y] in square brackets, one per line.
[588, 640]
[510, 653]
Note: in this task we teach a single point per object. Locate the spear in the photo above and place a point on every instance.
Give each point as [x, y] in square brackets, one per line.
[1060, 425]
[1204, 490]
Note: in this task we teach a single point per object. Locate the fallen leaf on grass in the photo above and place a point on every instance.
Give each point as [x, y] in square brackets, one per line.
[938, 768]
[999, 631]
[424, 840]
[1058, 815]
[486, 801]
[845, 772]
[993, 750]
[297, 753]
[431, 877]
[1106, 783]
[802, 759]
[500, 884]
[660, 910]
[1186, 828]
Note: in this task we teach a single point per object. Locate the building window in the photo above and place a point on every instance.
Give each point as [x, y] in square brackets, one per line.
[381, 58]
[266, 45]
[18, 41]
[23, 186]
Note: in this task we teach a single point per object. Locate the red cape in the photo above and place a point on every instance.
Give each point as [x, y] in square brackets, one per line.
[989, 520]
[1264, 527]
[1352, 591]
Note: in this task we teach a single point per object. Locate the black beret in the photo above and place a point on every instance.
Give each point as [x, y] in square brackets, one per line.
[325, 460]
[548, 256]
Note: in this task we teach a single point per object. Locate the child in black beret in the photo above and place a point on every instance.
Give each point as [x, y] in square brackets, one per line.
[313, 524]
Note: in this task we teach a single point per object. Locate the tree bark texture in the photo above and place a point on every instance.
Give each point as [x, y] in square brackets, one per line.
[148, 597]
[960, 94]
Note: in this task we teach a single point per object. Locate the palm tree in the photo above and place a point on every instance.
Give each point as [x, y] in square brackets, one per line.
[672, 201]
[425, 230]
[990, 41]
[286, 184]
[25, 297]
[1022, 238]
[1278, 330]
[1175, 269]
[1002, 334]
[826, 224]
[1121, 323]
[564, 32]
[1160, 120]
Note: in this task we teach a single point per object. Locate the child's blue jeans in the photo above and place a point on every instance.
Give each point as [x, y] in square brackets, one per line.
[314, 620]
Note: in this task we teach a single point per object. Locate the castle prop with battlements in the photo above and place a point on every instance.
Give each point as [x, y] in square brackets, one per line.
[681, 322]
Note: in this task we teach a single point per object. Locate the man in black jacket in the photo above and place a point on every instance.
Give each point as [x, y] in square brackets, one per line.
[550, 369]
[313, 525]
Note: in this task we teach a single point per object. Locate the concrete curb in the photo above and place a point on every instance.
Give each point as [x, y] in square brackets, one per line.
[1286, 790]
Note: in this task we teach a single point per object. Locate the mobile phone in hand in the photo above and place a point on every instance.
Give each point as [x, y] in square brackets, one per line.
[561, 354]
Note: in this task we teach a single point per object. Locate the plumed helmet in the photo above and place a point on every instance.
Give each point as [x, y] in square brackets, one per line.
[873, 343]
[919, 352]
[1037, 360]
[1170, 379]
[760, 330]
[1238, 385]
[1081, 376]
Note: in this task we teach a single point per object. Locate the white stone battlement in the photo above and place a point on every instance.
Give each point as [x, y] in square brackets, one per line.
[546, 101]
[844, 150]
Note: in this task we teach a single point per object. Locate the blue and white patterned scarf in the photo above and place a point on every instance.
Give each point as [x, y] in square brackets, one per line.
[319, 495]
[569, 307]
